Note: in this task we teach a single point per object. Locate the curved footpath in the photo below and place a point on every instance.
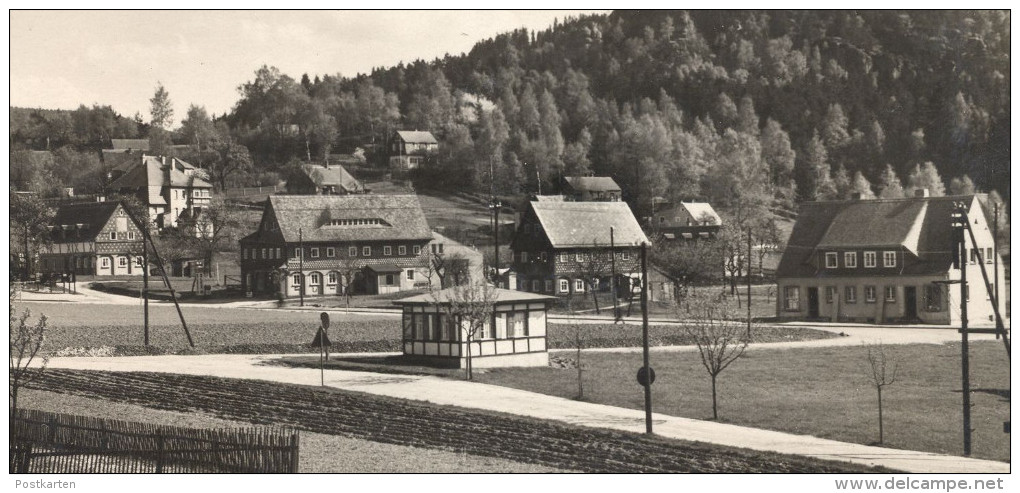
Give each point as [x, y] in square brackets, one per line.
[513, 401]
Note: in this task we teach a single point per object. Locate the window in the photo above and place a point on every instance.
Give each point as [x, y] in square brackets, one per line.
[888, 259]
[851, 294]
[625, 255]
[264, 253]
[389, 279]
[830, 294]
[366, 251]
[579, 257]
[850, 259]
[105, 263]
[564, 257]
[122, 261]
[296, 280]
[330, 252]
[316, 278]
[244, 254]
[138, 261]
[131, 235]
[870, 259]
[791, 298]
[277, 253]
[578, 285]
[890, 294]
[417, 249]
[988, 255]
[524, 256]
[830, 260]
[331, 278]
[387, 250]
[352, 252]
[402, 250]
[518, 324]
[933, 298]
[564, 286]
[410, 274]
[113, 235]
[315, 252]
[535, 285]
[869, 294]
[548, 285]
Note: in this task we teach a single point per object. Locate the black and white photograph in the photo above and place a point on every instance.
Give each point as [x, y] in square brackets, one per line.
[761, 248]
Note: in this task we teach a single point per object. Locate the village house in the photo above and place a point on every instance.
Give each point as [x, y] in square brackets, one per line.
[369, 243]
[454, 263]
[687, 220]
[410, 148]
[96, 239]
[324, 180]
[591, 189]
[168, 186]
[883, 261]
[560, 248]
[515, 335]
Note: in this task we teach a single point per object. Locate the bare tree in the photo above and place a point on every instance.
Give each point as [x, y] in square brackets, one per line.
[580, 334]
[881, 375]
[468, 306]
[719, 339]
[592, 266]
[25, 343]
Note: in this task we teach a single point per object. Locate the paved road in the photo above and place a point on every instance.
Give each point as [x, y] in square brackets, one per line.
[513, 401]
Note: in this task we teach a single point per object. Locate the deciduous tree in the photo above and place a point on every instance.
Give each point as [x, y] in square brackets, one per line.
[719, 338]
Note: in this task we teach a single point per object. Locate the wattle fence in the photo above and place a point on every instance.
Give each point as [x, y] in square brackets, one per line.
[43, 442]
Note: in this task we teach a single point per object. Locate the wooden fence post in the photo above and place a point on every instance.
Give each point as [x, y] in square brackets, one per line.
[159, 451]
[294, 447]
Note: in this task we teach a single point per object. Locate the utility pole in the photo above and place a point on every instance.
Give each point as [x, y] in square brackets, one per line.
[145, 288]
[995, 257]
[749, 283]
[495, 205]
[612, 280]
[301, 265]
[959, 224]
[649, 375]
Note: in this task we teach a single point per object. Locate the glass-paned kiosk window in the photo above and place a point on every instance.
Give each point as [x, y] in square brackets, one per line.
[519, 324]
[408, 326]
[447, 323]
[500, 325]
[536, 322]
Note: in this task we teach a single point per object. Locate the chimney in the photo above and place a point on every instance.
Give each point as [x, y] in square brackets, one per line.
[162, 160]
[922, 192]
[855, 196]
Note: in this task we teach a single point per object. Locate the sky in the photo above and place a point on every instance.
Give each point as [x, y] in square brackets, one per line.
[61, 59]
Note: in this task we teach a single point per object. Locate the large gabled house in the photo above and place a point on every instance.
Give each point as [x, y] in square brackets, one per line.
[686, 220]
[96, 239]
[410, 148]
[591, 189]
[168, 186]
[559, 248]
[324, 180]
[883, 261]
[370, 243]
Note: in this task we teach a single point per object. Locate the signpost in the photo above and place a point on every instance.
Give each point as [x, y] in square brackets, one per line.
[322, 340]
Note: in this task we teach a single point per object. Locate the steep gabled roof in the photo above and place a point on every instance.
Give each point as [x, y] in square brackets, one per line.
[334, 176]
[151, 171]
[498, 295]
[340, 218]
[93, 216]
[699, 211]
[586, 224]
[417, 137]
[593, 183]
[919, 225]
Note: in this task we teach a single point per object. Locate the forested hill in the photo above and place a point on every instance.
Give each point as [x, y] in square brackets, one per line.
[734, 107]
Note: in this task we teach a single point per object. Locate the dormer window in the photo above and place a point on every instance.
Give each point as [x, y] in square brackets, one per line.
[831, 260]
[369, 221]
[888, 259]
[870, 259]
[850, 259]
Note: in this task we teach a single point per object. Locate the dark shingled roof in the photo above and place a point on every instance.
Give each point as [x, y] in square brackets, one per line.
[417, 137]
[149, 172]
[919, 225]
[402, 215]
[95, 215]
[499, 295]
[584, 224]
[335, 176]
[593, 183]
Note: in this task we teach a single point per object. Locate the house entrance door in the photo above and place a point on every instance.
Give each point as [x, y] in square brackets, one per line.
[910, 302]
[812, 301]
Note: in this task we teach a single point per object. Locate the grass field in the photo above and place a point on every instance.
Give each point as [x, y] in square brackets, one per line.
[820, 391]
[320, 453]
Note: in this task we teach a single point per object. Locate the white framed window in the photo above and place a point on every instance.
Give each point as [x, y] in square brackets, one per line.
[402, 250]
[890, 294]
[331, 278]
[830, 294]
[122, 261]
[316, 278]
[138, 261]
[988, 255]
[791, 298]
[625, 255]
[850, 259]
[330, 252]
[564, 286]
[296, 279]
[536, 285]
[131, 235]
[277, 253]
[831, 260]
[387, 250]
[579, 285]
[417, 249]
[870, 259]
[366, 251]
[870, 294]
[851, 294]
[315, 252]
[105, 263]
[410, 274]
[113, 235]
[579, 257]
[564, 257]
[352, 251]
[263, 253]
[389, 279]
[888, 259]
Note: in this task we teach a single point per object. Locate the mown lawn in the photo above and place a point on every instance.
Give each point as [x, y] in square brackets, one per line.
[820, 391]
